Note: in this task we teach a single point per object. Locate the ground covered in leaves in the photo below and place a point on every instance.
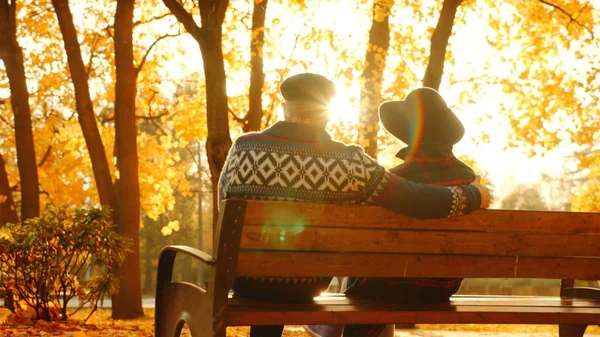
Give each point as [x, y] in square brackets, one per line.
[101, 325]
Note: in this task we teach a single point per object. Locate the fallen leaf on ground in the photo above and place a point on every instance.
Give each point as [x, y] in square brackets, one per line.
[101, 325]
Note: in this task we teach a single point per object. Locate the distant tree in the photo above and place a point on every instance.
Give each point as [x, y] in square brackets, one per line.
[551, 100]
[85, 110]
[588, 198]
[375, 62]
[371, 78]
[12, 56]
[8, 213]
[439, 43]
[525, 197]
[209, 35]
[127, 302]
[252, 121]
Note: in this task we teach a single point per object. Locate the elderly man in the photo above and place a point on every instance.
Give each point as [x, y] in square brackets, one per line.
[296, 160]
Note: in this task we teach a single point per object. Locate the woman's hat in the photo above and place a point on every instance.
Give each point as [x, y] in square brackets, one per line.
[423, 117]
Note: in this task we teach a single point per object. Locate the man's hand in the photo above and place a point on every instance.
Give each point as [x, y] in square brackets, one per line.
[483, 191]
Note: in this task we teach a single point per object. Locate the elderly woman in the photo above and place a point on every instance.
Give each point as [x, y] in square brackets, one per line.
[424, 122]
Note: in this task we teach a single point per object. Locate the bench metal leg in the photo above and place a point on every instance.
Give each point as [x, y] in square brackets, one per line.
[169, 328]
[182, 303]
[568, 330]
[568, 289]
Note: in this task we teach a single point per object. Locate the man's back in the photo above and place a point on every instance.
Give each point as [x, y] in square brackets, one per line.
[296, 162]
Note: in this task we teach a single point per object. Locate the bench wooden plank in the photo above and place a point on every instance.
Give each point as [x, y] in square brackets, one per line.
[523, 310]
[324, 239]
[271, 239]
[296, 264]
[348, 216]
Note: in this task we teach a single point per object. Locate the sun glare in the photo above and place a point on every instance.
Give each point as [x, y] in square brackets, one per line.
[342, 107]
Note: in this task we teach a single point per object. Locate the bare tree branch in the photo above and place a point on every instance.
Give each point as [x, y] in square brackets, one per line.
[154, 93]
[152, 117]
[143, 61]
[571, 17]
[45, 156]
[106, 118]
[589, 151]
[235, 117]
[109, 32]
[158, 127]
[152, 19]
[11, 125]
[187, 20]
[585, 6]
[196, 161]
[47, 195]
[88, 67]
[246, 16]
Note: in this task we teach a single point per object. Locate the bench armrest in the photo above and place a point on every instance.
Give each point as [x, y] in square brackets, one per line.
[166, 259]
[193, 252]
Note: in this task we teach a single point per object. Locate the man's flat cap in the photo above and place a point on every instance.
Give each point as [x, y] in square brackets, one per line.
[308, 87]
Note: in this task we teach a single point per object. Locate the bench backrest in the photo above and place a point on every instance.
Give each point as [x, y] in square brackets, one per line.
[310, 239]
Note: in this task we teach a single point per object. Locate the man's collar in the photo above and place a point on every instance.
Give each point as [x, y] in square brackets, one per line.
[298, 132]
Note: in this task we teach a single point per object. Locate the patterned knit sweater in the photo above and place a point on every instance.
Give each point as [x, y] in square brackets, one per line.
[299, 162]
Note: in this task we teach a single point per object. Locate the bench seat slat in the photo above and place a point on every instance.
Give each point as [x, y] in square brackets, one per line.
[521, 310]
[418, 241]
[353, 216]
[462, 300]
[297, 264]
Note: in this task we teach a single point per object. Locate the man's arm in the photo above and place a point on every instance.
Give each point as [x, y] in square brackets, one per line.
[422, 200]
[426, 201]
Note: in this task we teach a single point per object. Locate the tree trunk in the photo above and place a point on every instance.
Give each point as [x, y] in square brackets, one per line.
[439, 42]
[200, 200]
[252, 121]
[12, 56]
[85, 111]
[218, 141]
[127, 303]
[372, 76]
[149, 280]
[8, 213]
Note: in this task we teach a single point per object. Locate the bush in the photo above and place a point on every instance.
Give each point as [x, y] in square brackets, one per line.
[47, 261]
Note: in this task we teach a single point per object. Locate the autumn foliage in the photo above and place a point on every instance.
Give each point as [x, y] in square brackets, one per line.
[49, 260]
[85, 83]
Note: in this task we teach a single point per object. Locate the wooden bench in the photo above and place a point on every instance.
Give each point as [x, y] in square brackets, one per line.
[304, 239]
